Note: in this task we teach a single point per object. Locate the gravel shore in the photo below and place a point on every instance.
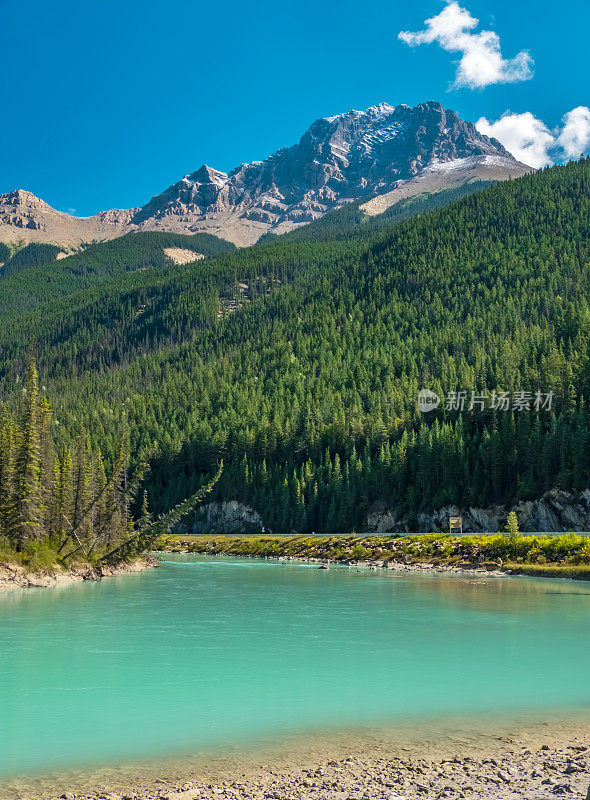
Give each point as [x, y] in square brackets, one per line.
[545, 761]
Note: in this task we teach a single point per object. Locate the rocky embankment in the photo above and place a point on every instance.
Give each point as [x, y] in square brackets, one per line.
[224, 516]
[16, 576]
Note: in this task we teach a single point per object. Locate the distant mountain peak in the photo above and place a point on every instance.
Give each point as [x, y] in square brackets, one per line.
[21, 197]
[381, 108]
[339, 158]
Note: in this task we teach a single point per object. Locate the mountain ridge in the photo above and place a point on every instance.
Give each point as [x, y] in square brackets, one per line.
[382, 151]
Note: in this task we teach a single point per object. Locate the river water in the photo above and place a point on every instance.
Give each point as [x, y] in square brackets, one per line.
[207, 653]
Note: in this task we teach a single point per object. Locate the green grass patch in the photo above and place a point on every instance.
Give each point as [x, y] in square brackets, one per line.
[579, 572]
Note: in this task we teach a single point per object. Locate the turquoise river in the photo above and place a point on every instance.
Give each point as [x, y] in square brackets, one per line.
[207, 653]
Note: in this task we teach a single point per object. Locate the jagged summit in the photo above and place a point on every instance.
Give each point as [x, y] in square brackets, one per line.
[206, 174]
[340, 158]
[24, 199]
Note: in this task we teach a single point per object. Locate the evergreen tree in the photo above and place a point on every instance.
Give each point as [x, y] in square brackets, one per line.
[28, 498]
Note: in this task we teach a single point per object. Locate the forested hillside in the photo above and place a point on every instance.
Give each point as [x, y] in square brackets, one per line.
[100, 305]
[32, 255]
[39, 278]
[299, 363]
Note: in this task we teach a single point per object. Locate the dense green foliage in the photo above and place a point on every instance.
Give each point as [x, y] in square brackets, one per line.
[299, 363]
[143, 311]
[57, 503]
[96, 264]
[57, 496]
[32, 255]
[4, 252]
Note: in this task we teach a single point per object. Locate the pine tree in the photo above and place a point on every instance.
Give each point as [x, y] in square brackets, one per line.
[28, 501]
[7, 457]
[64, 499]
[144, 516]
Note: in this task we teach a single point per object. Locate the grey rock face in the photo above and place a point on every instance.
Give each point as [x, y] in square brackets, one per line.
[227, 516]
[382, 519]
[556, 511]
[338, 159]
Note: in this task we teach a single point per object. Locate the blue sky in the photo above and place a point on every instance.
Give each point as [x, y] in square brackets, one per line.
[105, 104]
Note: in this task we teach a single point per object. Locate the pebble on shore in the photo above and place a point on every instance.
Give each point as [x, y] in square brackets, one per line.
[514, 770]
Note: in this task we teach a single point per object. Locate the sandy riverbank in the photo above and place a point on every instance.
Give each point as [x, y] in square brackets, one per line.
[15, 576]
[496, 762]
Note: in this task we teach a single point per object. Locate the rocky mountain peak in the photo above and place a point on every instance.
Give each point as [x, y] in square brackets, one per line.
[22, 198]
[356, 154]
[206, 174]
[337, 159]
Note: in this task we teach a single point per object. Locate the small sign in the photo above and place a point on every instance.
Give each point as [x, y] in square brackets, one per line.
[455, 524]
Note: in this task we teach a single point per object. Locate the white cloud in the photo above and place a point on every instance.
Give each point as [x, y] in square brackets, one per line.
[481, 62]
[532, 142]
[574, 138]
[526, 137]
